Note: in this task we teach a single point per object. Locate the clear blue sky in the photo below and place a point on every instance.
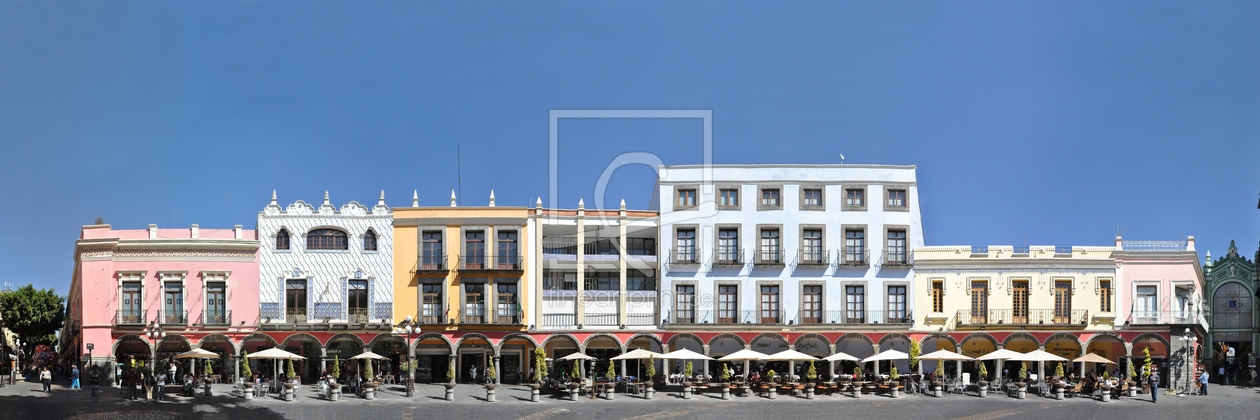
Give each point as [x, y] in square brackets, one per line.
[1055, 120]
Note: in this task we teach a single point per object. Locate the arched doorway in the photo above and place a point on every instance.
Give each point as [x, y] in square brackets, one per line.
[646, 342]
[556, 347]
[394, 349]
[515, 358]
[306, 346]
[1063, 345]
[129, 351]
[933, 343]
[974, 346]
[1159, 355]
[723, 345]
[899, 342]
[817, 346]
[255, 343]
[770, 343]
[1232, 328]
[1110, 347]
[474, 352]
[689, 342]
[857, 345]
[174, 345]
[433, 358]
[1020, 343]
[603, 348]
[225, 365]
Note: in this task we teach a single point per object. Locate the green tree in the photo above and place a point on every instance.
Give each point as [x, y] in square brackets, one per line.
[540, 365]
[651, 367]
[940, 370]
[336, 369]
[575, 372]
[1023, 371]
[246, 373]
[612, 372]
[688, 369]
[894, 375]
[207, 371]
[726, 375]
[984, 372]
[1146, 365]
[450, 372]
[1058, 370]
[811, 374]
[914, 354]
[288, 370]
[491, 374]
[367, 371]
[33, 315]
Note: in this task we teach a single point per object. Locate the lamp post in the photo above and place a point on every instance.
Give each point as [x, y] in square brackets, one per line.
[408, 329]
[155, 333]
[19, 360]
[1188, 342]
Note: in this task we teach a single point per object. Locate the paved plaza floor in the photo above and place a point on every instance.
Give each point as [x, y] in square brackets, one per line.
[27, 401]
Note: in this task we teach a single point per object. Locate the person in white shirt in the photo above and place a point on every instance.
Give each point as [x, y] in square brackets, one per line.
[161, 386]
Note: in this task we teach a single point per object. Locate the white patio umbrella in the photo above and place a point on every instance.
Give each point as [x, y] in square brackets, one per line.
[684, 354]
[745, 356]
[275, 354]
[838, 357]
[577, 356]
[1041, 357]
[1091, 358]
[369, 356]
[638, 354]
[943, 354]
[1001, 356]
[889, 355]
[197, 353]
[790, 356]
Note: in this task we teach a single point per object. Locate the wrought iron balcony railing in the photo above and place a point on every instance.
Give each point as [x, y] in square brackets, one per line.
[812, 256]
[685, 255]
[854, 257]
[218, 318]
[173, 317]
[1022, 317]
[769, 256]
[130, 318]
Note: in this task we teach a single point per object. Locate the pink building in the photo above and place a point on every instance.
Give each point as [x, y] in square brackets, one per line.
[1161, 288]
[148, 295]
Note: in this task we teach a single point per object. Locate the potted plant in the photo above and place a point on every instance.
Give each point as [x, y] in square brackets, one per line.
[408, 368]
[575, 376]
[857, 377]
[893, 388]
[937, 382]
[334, 389]
[983, 380]
[811, 375]
[687, 384]
[247, 376]
[914, 361]
[288, 385]
[611, 375]
[540, 372]
[369, 386]
[1106, 386]
[1146, 371]
[1058, 383]
[650, 391]
[492, 377]
[206, 371]
[1022, 385]
[450, 381]
[726, 381]
[773, 392]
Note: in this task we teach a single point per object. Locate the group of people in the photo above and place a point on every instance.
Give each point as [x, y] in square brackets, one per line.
[153, 385]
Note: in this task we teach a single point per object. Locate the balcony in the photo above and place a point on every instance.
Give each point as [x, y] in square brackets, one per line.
[357, 315]
[1046, 317]
[729, 317]
[126, 318]
[219, 318]
[173, 318]
[560, 249]
[813, 257]
[432, 319]
[568, 320]
[1164, 318]
[898, 258]
[430, 264]
[600, 320]
[769, 257]
[864, 317]
[729, 256]
[490, 264]
[640, 320]
[685, 256]
[295, 315]
[854, 257]
[491, 319]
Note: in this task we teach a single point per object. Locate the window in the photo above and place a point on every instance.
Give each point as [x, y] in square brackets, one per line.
[770, 246]
[686, 198]
[357, 299]
[728, 245]
[938, 296]
[474, 303]
[728, 198]
[602, 280]
[896, 199]
[770, 198]
[855, 304]
[474, 249]
[431, 257]
[431, 303]
[638, 280]
[369, 241]
[811, 304]
[174, 298]
[685, 246]
[1062, 301]
[1144, 307]
[327, 239]
[979, 302]
[295, 300]
[282, 240]
[1104, 295]
[769, 304]
[685, 304]
[216, 310]
[811, 246]
[508, 250]
[1019, 301]
[507, 308]
[132, 299]
[728, 303]
[1182, 302]
[896, 305]
[854, 247]
[812, 199]
[895, 249]
[854, 198]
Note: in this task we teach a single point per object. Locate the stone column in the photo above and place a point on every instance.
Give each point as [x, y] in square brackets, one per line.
[875, 347]
[454, 361]
[579, 301]
[958, 367]
[705, 363]
[497, 369]
[621, 264]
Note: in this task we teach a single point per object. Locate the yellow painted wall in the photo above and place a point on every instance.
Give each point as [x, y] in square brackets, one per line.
[405, 256]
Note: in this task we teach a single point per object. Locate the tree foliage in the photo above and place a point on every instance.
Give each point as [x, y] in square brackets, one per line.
[914, 354]
[34, 315]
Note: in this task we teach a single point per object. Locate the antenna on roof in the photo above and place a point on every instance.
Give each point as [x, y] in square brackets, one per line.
[842, 158]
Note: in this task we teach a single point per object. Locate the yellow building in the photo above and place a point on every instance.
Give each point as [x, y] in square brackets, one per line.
[459, 272]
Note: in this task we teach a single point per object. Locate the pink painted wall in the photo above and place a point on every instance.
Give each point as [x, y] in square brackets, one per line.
[1163, 270]
[100, 296]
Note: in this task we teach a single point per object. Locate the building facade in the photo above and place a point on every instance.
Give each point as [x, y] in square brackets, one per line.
[1232, 284]
[1162, 291]
[326, 283]
[144, 296]
[815, 258]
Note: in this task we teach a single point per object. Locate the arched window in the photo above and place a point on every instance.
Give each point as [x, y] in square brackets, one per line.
[282, 239]
[369, 241]
[326, 239]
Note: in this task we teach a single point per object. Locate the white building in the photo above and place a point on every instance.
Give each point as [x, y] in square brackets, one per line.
[787, 247]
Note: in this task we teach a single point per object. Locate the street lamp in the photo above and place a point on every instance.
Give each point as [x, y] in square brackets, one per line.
[155, 333]
[408, 329]
[1188, 342]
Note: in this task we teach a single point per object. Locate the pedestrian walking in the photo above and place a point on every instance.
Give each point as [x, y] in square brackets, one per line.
[129, 380]
[74, 377]
[1203, 382]
[45, 376]
[472, 372]
[161, 386]
[1153, 380]
[1221, 371]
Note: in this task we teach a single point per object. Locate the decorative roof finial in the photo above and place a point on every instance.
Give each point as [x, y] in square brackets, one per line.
[581, 204]
[326, 198]
[273, 197]
[538, 203]
[415, 198]
[452, 198]
[623, 204]
[381, 201]
[491, 198]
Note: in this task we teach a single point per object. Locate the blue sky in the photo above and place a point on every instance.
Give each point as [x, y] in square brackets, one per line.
[1053, 120]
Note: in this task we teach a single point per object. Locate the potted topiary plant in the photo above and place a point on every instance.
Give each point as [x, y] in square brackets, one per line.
[1146, 371]
[811, 375]
[1058, 383]
[611, 375]
[938, 382]
[914, 361]
[687, 384]
[983, 381]
[857, 377]
[540, 372]
[1106, 386]
[288, 385]
[492, 377]
[334, 389]
[650, 390]
[1022, 385]
[369, 384]
[247, 376]
[894, 387]
[450, 381]
[206, 371]
[773, 392]
[575, 376]
[726, 383]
